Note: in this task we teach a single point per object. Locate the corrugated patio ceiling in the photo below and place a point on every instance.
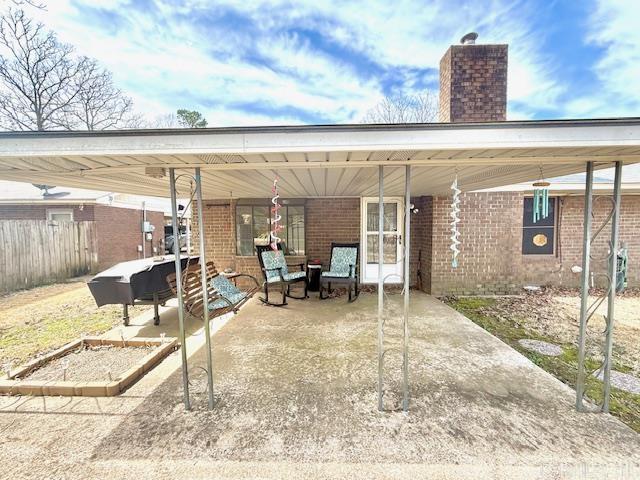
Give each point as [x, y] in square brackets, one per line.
[313, 161]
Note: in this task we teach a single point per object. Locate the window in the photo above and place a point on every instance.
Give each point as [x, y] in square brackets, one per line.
[539, 238]
[253, 226]
[60, 215]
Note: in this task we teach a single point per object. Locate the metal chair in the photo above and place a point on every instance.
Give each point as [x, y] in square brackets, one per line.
[276, 272]
[343, 269]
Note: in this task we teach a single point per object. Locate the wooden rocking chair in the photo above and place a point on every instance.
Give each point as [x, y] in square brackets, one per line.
[223, 295]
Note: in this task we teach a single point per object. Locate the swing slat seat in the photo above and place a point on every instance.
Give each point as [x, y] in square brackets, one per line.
[223, 295]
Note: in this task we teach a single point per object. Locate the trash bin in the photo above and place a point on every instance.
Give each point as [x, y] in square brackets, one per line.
[313, 271]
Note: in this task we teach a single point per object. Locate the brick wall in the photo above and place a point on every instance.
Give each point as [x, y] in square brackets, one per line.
[119, 234]
[327, 220]
[473, 83]
[491, 259]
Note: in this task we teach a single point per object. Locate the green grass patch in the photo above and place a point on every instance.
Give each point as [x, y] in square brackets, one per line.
[624, 405]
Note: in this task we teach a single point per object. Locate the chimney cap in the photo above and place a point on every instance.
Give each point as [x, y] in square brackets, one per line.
[469, 39]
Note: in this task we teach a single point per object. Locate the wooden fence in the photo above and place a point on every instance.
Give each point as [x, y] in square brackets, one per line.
[36, 252]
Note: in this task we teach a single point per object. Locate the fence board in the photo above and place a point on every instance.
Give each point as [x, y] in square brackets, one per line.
[36, 252]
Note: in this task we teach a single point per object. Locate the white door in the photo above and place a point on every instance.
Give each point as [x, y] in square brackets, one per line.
[392, 243]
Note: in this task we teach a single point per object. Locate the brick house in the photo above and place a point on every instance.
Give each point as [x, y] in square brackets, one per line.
[329, 177]
[495, 252]
[118, 217]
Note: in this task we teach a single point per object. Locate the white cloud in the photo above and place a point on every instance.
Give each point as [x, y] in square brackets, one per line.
[166, 62]
[613, 26]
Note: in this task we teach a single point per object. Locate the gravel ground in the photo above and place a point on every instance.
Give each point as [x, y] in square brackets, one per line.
[99, 363]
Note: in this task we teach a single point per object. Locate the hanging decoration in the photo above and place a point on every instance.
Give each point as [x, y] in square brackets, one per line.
[540, 199]
[276, 227]
[455, 219]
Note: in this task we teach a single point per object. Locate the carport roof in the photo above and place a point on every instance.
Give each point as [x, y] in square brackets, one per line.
[320, 160]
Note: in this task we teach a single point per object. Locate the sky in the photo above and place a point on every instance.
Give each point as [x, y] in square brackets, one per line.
[254, 62]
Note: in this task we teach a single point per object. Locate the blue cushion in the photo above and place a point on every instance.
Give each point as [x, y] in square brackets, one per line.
[342, 258]
[287, 277]
[224, 288]
[273, 260]
[221, 303]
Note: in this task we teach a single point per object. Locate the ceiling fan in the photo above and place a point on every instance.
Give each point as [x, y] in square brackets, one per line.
[45, 191]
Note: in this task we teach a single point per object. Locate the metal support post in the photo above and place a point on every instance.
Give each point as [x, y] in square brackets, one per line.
[584, 286]
[380, 282]
[407, 283]
[176, 251]
[205, 293]
[613, 274]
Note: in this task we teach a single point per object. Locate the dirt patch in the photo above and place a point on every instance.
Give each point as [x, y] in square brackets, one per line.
[36, 321]
[92, 363]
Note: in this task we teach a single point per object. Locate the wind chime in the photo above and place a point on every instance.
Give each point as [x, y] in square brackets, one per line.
[540, 199]
[276, 227]
[455, 219]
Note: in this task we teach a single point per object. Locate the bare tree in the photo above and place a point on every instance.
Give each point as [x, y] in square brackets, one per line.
[417, 108]
[167, 120]
[37, 75]
[99, 105]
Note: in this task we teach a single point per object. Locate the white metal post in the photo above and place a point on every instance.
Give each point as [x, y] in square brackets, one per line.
[584, 291]
[380, 281]
[205, 292]
[407, 283]
[178, 263]
[613, 277]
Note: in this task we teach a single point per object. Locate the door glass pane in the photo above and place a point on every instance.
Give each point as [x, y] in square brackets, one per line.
[390, 217]
[390, 248]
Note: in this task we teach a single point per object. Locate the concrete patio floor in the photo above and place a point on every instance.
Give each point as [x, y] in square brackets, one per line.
[296, 392]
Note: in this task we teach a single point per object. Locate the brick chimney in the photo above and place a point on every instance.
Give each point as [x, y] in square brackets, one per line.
[473, 82]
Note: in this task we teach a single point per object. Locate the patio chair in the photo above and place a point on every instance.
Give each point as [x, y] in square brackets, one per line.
[276, 272]
[343, 269]
[223, 295]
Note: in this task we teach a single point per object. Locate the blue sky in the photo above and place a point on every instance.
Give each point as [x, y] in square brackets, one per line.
[287, 62]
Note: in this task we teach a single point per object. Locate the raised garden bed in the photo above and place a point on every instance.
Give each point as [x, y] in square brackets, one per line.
[92, 366]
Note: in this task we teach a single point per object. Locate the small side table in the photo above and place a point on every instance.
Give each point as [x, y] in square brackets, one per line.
[313, 272]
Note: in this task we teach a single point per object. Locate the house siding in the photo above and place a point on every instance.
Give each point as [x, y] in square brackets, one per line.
[491, 259]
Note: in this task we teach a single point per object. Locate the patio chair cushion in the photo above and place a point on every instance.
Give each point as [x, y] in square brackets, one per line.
[342, 258]
[287, 276]
[223, 287]
[221, 303]
[273, 260]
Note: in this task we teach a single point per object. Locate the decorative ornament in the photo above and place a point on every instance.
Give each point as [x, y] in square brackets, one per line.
[455, 219]
[540, 199]
[275, 216]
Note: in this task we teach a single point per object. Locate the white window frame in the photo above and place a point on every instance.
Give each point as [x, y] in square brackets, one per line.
[59, 211]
